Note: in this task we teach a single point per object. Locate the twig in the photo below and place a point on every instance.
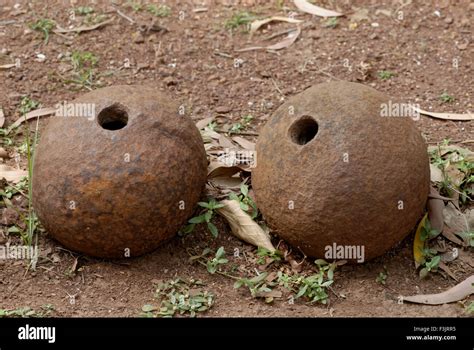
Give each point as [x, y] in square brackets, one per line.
[244, 133]
[82, 28]
[286, 31]
[7, 22]
[222, 54]
[123, 15]
[276, 87]
[327, 74]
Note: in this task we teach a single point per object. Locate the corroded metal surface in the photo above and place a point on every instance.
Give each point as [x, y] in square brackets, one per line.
[114, 193]
[363, 179]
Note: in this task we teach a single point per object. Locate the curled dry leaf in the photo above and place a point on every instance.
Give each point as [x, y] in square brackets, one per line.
[448, 271]
[456, 220]
[7, 66]
[208, 135]
[435, 211]
[446, 116]
[458, 292]
[30, 115]
[226, 182]
[286, 42]
[201, 124]
[82, 28]
[436, 175]
[246, 144]
[243, 226]
[255, 25]
[2, 117]
[305, 6]
[218, 169]
[11, 174]
[225, 142]
[436, 195]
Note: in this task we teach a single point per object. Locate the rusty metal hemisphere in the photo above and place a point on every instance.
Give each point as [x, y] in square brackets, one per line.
[333, 172]
[122, 182]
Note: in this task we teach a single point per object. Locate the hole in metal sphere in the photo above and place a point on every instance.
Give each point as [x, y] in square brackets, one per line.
[303, 130]
[114, 117]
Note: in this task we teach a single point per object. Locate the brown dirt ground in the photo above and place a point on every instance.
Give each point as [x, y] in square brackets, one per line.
[187, 64]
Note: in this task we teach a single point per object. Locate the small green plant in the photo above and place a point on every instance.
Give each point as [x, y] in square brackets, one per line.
[427, 232]
[206, 217]
[27, 105]
[94, 18]
[385, 74]
[454, 160]
[83, 64]
[179, 297]
[241, 18]
[10, 190]
[241, 125]
[6, 139]
[83, 59]
[470, 307]
[331, 22]
[159, 10]
[446, 98]
[430, 258]
[382, 276]
[258, 286]
[83, 10]
[430, 265]
[264, 254]
[212, 126]
[219, 259]
[44, 26]
[246, 203]
[315, 287]
[136, 6]
[26, 312]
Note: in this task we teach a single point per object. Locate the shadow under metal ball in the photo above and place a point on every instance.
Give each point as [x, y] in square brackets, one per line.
[121, 182]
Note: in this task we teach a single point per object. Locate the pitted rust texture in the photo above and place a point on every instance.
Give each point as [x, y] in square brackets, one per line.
[108, 192]
[362, 180]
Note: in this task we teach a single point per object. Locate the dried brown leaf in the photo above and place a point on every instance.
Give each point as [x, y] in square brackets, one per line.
[82, 28]
[458, 292]
[11, 174]
[255, 25]
[2, 117]
[287, 42]
[30, 115]
[243, 226]
[436, 175]
[246, 144]
[446, 116]
[305, 6]
[201, 124]
[225, 142]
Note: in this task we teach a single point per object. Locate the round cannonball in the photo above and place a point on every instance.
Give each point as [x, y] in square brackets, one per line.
[340, 174]
[118, 171]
